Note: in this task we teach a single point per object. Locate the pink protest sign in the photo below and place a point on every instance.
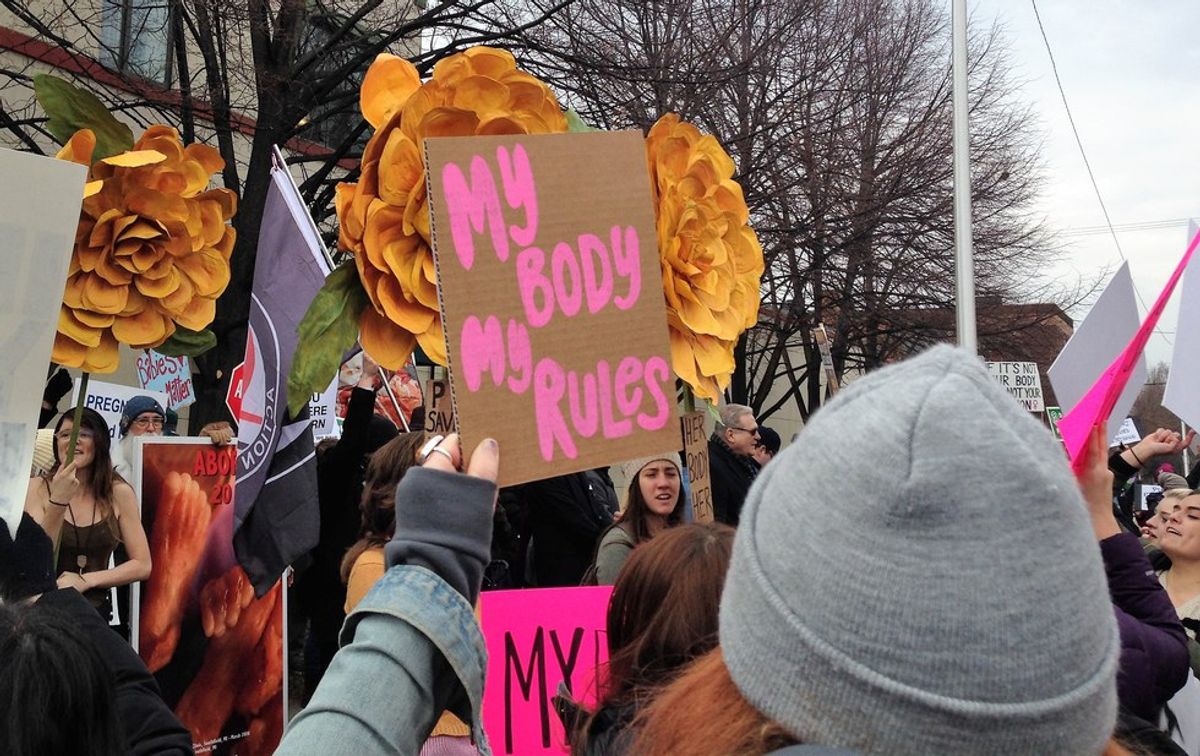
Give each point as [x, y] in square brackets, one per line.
[1097, 404]
[551, 295]
[535, 640]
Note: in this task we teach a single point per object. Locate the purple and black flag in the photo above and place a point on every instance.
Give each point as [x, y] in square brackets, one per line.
[277, 518]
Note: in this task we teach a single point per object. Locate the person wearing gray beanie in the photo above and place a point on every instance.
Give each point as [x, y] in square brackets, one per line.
[933, 612]
[655, 501]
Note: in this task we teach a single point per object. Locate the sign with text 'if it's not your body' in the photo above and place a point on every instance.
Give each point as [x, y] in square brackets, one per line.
[1022, 381]
[551, 293]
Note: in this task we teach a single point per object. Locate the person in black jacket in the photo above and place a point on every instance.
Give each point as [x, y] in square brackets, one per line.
[68, 683]
[339, 488]
[566, 516]
[731, 461]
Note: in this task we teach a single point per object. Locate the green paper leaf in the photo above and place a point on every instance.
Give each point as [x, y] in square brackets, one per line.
[328, 329]
[575, 124]
[187, 343]
[71, 109]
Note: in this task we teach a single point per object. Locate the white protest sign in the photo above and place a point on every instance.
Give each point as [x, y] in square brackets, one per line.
[39, 211]
[1126, 434]
[322, 410]
[1102, 335]
[109, 400]
[1022, 381]
[1146, 490]
[167, 375]
[1181, 396]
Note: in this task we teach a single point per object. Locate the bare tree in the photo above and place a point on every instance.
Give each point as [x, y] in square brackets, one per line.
[838, 117]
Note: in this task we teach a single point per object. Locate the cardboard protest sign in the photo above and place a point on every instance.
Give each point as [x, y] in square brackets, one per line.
[699, 474]
[1181, 396]
[39, 211]
[109, 400]
[322, 410]
[551, 295]
[439, 412]
[537, 638]
[216, 651]
[1022, 381]
[167, 375]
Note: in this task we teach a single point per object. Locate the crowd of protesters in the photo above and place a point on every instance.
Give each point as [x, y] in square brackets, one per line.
[967, 594]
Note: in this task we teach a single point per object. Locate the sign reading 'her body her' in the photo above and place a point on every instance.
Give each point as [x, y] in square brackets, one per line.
[551, 294]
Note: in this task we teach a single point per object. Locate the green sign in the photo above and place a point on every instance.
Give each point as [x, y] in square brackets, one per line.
[1054, 414]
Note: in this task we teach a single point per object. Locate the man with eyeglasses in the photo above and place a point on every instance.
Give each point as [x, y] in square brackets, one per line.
[731, 461]
[144, 416]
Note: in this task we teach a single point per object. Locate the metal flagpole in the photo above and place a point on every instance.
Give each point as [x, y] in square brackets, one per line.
[963, 254]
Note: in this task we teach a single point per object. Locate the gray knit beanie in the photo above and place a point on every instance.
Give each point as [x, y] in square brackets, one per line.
[631, 468]
[896, 588]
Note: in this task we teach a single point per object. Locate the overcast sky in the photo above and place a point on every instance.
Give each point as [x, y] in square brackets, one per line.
[1131, 73]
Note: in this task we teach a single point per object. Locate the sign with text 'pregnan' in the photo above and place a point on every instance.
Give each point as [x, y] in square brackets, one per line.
[551, 293]
[1022, 381]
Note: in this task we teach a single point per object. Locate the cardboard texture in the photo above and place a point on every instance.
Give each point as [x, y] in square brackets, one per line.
[39, 211]
[695, 452]
[551, 296]
[1022, 381]
[439, 412]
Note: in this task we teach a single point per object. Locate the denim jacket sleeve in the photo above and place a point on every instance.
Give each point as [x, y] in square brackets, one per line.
[410, 650]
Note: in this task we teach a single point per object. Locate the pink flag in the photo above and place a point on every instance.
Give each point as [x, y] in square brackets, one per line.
[1097, 404]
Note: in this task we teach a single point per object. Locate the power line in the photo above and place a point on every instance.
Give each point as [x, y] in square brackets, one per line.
[1133, 227]
[1083, 153]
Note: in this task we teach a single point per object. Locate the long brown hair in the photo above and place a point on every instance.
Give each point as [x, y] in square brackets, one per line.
[388, 465]
[101, 477]
[663, 613]
[703, 712]
[636, 517]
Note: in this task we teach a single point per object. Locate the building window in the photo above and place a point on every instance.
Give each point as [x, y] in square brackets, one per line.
[135, 38]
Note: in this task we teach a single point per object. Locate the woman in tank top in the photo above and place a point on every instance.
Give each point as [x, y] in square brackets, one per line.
[88, 510]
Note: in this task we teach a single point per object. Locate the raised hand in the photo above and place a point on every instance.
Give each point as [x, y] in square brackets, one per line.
[65, 485]
[177, 541]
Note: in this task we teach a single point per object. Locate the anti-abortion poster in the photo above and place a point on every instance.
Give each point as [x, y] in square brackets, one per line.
[551, 299]
[395, 399]
[216, 651]
[536, 640]
[109, 400]
[171, 376]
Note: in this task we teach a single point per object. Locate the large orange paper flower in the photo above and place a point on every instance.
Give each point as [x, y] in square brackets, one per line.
[151, 250]
[712, 262]
[384, 218]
